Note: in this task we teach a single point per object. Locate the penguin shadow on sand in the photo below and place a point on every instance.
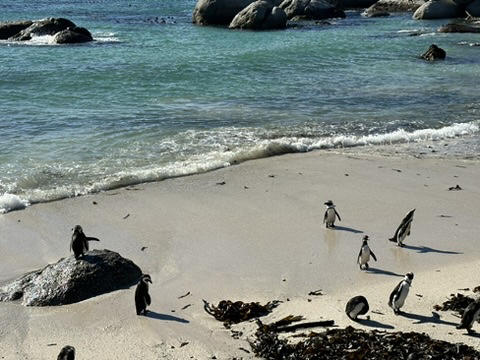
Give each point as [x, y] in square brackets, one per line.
[374, 324]
[426, 249]
[165, 317]
[345, 228]
[434, 318]
[382, 272]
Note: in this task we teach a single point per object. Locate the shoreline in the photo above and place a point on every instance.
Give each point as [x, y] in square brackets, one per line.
[251, 232]
[427, 143]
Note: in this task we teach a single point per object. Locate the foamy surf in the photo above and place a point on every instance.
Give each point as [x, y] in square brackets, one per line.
[220, 157]
[10, 202]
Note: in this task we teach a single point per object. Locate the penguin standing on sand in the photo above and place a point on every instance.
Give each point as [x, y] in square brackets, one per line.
[330, 213]
[403, 229]
[79, 243]
[470, 315]
[399, 294]
[142, 298]
[67, 353]
[364, 255]
[357, 305]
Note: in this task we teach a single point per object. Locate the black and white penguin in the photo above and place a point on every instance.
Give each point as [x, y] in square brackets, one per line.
[330, 213]
[67, 353]
[470, 315]
[142, 298]
[365, 253]
[357, 305]
[79, 243]
[399, 294]
[403, 229]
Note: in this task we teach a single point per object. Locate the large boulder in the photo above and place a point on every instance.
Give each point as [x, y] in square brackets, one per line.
[439, 9]
[389, 6]
[473, 8]
[73, 36]
[8, 29]
[48, 26]
[260, 15]
[218, 12]
[310, 10]
[72, 280]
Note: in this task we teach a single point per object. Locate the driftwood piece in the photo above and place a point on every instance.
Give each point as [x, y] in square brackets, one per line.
[306, 325]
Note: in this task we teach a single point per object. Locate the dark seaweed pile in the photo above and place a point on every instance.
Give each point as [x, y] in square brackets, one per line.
[351, 343]
[458, 302]
[230, 312]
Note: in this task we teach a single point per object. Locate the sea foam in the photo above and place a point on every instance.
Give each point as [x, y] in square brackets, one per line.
[9, 202]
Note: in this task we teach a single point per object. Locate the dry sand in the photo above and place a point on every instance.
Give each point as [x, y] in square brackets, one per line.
[251, 232]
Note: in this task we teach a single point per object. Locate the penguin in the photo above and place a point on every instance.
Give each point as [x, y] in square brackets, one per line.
[403, 229]
[67, 353]
[470, 314]
[399, 294]
[79, 243]
[142, 298]
[330, 213]
[357, 305]
[365, 253]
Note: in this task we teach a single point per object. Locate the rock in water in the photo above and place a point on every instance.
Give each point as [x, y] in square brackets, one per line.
[434, 53]
[70, 280]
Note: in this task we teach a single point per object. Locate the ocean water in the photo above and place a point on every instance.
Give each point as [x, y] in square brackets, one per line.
[156, 96]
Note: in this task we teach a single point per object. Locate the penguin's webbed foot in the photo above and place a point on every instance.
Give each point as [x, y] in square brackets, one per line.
[366, 266]
[471, 331]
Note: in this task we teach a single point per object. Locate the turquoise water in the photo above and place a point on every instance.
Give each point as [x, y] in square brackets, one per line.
[156, 96]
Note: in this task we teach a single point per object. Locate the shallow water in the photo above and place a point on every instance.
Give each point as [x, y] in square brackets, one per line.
[155, 96]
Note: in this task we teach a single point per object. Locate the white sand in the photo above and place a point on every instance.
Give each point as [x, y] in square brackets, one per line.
[258, 237]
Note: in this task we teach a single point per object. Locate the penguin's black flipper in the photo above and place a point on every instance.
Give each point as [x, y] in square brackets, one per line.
[325, 217]
[148, 299]
[92, 238]
[393, 294]
[373, 255]
[359, 255]
[338, 215]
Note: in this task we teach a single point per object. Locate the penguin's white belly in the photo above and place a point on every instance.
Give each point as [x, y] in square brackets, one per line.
[365, 257]
[400, 300]
[356, 310]
[330, 216]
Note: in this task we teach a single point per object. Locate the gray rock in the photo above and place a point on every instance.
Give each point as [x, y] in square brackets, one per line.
[434, 53]
[459, 28]
[260, 15]
[70, 280]
[473, 9]
[9, 29]
[48, 26]
[392, 6]
[218, 12]
[311, 10]
[439, 9]
[73, 36]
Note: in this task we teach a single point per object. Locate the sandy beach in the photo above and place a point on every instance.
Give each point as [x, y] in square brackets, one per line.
[251, 232]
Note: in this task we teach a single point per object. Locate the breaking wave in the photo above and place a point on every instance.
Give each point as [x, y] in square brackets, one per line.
[94, 179]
